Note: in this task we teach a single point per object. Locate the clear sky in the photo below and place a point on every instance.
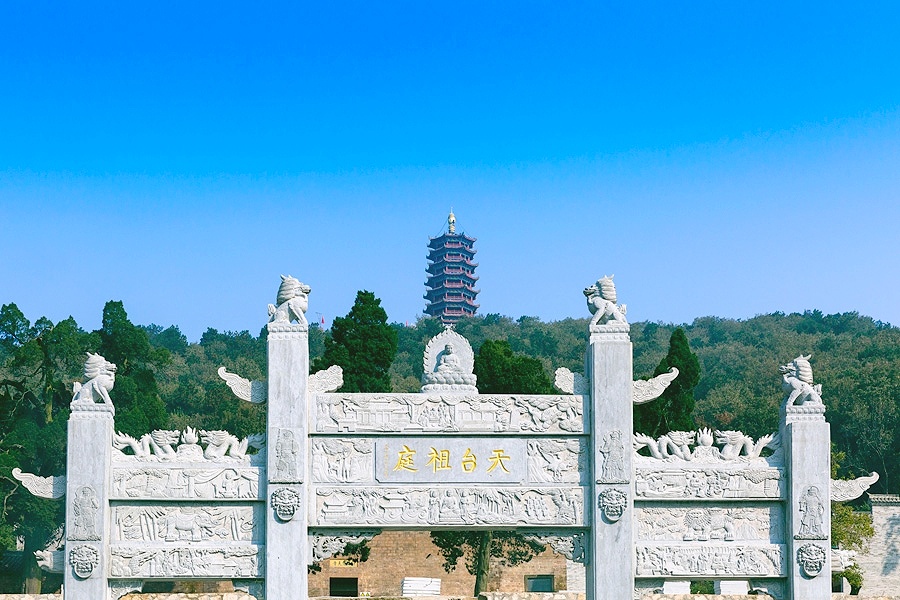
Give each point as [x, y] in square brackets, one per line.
[719, 158]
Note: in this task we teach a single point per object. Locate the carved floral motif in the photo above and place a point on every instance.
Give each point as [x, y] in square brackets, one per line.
[613, 503]
[811, 558]
[449, 506]
[84, 559]
[286, 502]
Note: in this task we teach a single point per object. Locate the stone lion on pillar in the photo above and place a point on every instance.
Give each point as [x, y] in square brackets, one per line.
[797, 383]
[100, 377]
[293, 300]
[601, 301]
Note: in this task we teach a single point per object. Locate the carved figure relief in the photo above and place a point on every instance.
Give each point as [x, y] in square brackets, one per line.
[162, 483]
[763, 483]
[170, 445]
[486, 413]
[811, 558]
[237, 561]
[287, 451]
[601, 301]
[613, 503]
[343, 461]
[447, 365]
[812, 511]
[556, 461]
[292, 302]
[612, 468]
[709, 560]
[692, 523]
[100, 377]
[85, 507]
[448, 506]
[797, 383]
[84, 559]
[186, 523]
[286, 502]
[698, 447]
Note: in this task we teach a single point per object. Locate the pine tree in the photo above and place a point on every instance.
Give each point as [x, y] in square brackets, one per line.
[674, 410]
[363, 345]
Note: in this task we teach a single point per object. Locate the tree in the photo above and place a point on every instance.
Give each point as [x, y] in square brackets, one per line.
[41, 362]
[673, 411]
[363, 345]
[499, 371]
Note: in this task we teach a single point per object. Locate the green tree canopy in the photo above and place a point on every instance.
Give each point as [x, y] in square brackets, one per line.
[501, 371]
[674, 410]
[363, 345]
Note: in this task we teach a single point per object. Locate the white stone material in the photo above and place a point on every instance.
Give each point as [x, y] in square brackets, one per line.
[53, 487]
[420, 586]
[675, 586]
[843, 490]
[448, 364]
[739, 587]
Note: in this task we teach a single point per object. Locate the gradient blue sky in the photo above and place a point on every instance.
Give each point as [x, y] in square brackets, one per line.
[720, 158]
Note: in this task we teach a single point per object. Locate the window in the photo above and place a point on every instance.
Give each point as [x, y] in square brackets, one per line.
[539, 583]
[343, 586]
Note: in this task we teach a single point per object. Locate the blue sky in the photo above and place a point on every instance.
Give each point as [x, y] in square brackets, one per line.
[723, 159]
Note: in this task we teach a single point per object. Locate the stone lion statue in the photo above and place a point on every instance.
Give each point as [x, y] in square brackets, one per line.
[797, 383]
[100, 377]
[293, 300]
[601, 301]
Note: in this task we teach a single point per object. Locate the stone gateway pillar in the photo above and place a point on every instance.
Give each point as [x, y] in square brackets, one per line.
[609, 369]
[287, 445]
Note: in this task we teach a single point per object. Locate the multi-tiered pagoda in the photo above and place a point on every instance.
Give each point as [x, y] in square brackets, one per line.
[451, 275]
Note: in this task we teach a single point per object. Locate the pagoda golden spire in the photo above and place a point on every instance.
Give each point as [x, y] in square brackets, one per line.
[451, 222]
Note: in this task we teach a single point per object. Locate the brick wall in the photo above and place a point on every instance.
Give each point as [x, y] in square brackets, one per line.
[399, 554]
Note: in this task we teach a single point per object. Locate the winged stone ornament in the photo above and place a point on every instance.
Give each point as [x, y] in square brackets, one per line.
[42, 487]
[326, 380]
[251, 391]
[569, 382]
[843, 490]
[643, 391]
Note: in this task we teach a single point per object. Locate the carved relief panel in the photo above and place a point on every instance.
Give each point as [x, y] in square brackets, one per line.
[180, 523]
[179, 483]
[558, 461]
[709, 483]
[242, 561]
[710, 560]
[411, 506]
[343, 460]
[700, 523]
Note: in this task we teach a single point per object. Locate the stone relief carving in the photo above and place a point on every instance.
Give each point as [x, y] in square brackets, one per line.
[237, 561]
[188, 523]
[571, 545]
[287, 458]
[325, 545]
[51, 561]
[811, 558]
[718, 483]
[343, 461]
[843, 490]
[53, 487]
[292, 302]
[449, 506]
[286, 502]
[163, 445]
[85, 507]
[84, 559]
[697, 446]
[710, 560]
[556, 461]
[571, 383]
[692, 523]
[448, 363]
[812, 519]
[797, 383]
[165, 483]
[414, 413]
[612, 467]
[121, 587]
[251, 391]
[327, 380]
[613, 503]
[100, 377]
[601, 301]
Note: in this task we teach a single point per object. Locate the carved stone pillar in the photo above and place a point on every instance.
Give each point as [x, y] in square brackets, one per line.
[807, 438]
[90, 432]
[286, 472]
[610, 575]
